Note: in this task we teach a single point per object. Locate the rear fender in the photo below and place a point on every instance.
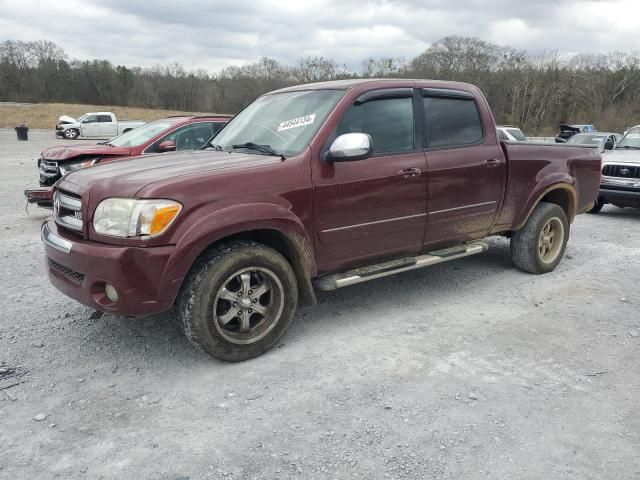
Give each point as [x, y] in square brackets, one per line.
[562, 182]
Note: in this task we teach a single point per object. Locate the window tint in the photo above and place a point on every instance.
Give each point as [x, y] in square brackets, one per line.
[191, 137]
[104, 118]
[451, 122]
[388, 121]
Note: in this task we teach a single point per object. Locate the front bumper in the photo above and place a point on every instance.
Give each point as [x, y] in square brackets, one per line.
[81, 269]
[621, 191]
[43, 196]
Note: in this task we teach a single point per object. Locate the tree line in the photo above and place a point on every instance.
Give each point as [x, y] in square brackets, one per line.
[534, 91]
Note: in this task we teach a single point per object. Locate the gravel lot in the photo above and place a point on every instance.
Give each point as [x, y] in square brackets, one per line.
[466, 370]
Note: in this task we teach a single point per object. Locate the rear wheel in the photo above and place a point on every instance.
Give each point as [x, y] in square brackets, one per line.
[539, 246]
[238, 301]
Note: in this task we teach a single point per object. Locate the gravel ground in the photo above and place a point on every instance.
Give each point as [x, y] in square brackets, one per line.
[466, 370]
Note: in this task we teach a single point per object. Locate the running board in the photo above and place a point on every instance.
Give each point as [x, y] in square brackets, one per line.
[364, 274]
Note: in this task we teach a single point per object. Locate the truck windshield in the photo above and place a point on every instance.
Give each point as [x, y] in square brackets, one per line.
[586, 139]
[285, 122]
[630, 141]
[140, 135]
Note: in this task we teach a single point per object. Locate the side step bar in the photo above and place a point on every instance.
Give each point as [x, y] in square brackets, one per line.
[364, 274]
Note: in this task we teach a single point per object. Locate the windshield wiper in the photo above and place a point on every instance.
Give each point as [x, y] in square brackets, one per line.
[260, 148]
[627, 146]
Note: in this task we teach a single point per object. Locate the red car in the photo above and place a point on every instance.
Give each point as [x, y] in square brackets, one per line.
[165, 135]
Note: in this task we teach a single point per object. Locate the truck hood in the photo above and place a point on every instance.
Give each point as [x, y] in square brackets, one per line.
[127, 177]
[65, 153]
[66, 119]
[622, 156]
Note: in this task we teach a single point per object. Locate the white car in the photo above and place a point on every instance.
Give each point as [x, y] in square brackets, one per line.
[94, 125]
[509, 133]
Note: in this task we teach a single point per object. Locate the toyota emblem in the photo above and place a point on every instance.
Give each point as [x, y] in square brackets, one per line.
[625, 171]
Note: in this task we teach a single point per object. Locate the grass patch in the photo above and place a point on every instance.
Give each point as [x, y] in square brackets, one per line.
[45, 115]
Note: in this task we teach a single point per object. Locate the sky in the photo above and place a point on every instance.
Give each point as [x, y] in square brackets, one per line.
[213, 34]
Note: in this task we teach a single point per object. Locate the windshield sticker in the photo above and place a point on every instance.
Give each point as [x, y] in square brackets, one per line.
[297, 122]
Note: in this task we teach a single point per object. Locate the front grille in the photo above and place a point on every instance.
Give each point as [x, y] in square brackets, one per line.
[67, 210]
[66, 271]
[622, 171]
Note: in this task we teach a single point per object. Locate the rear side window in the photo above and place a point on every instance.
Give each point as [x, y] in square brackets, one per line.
[104, 118]
[451, 122]
[388, 121]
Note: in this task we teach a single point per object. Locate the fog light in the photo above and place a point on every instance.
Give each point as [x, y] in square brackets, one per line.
[111, 292]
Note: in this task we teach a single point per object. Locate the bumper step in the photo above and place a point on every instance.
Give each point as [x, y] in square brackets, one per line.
[364, 274]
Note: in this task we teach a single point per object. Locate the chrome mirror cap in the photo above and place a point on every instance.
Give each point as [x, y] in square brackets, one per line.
[351, 146]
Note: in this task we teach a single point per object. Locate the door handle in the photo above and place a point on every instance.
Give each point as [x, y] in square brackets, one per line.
[492, 162]
[410, 172]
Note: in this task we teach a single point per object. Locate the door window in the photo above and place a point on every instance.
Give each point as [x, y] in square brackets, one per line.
[191, 137]
[451, 122]
[90, 119]
[388, 121]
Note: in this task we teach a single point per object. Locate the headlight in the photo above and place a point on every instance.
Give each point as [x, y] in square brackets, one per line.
[129, 217]
[70, 167]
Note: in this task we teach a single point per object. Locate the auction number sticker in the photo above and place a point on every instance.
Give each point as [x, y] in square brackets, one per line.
[297, 122]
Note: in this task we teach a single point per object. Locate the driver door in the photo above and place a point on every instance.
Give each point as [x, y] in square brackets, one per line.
[374, 207]
[90, 126]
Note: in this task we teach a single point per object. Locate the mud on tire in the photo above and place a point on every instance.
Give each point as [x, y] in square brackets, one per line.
[539, 246]
[238, 300]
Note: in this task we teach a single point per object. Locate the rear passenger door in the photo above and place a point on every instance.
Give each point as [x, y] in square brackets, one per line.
[466, 168]
[108, 128]
[375, 207]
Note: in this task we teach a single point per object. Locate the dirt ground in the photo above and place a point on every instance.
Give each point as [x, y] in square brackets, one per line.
[466, 370]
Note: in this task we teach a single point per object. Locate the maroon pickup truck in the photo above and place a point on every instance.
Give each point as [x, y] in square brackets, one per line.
[313, 187]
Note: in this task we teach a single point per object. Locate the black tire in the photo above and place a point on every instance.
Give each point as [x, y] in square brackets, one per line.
[597, 206]
[71, 134]
[202, 295]
[535, 252]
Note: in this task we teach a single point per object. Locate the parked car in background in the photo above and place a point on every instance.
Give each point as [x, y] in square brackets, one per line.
[510, 133]
[327, 185]
[94, 125]
[620, 184]
[165, 135]
[568, 131]
[604, 141]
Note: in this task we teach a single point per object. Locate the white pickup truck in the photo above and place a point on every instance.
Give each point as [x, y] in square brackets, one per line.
[94, 125]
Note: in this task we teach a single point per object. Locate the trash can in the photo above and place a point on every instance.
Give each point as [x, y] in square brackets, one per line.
[22, 131]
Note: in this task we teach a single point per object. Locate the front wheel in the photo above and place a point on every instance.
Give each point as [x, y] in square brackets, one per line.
[71, 134]
[597, 206]
[539, 246]
[238, 301]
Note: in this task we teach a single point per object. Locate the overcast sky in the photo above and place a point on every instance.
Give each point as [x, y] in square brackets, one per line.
[212, 34]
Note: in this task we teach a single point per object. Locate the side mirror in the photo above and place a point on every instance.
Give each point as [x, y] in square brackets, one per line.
[166, 146]
[608, 145]
[350, 147]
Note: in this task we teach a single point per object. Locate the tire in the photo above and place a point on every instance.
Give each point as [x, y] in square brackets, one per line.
[71, 134]
[539, 246]
[597, 206]
[265, 287]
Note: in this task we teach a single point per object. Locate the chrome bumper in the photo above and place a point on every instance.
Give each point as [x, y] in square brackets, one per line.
[54, 241]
